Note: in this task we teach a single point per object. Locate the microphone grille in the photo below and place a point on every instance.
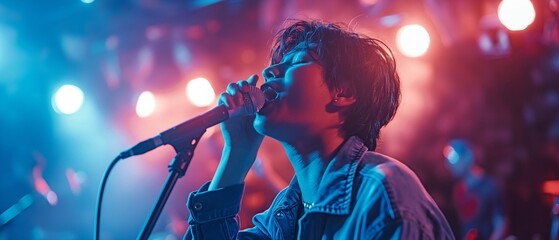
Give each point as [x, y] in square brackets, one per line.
[254, 100]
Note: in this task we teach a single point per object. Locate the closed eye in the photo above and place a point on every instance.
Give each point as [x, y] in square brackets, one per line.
[294, 64]
[302, 62]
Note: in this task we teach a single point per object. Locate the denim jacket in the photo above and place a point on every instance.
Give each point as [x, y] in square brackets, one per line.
[362, 195]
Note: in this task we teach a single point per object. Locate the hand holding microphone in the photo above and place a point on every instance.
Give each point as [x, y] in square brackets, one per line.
[241, 139]
[238, 131]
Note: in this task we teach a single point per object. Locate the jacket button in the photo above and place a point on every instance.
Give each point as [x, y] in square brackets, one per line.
[279, 214]
[198, 206]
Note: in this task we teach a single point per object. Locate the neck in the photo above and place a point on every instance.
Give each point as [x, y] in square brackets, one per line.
[310, 157]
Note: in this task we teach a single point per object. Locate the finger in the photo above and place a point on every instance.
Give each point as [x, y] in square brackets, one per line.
[244, 86]
[253, 79]
[235, 92]
[226, 100]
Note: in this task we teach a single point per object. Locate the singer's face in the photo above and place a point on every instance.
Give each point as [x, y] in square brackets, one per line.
[300, 109]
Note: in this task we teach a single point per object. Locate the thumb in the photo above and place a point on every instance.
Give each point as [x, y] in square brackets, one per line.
[253, 79]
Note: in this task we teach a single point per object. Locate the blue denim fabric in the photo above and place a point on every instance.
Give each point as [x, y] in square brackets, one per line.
[363, 195]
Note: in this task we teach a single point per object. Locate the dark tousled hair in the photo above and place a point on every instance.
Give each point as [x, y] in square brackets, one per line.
[362, 65]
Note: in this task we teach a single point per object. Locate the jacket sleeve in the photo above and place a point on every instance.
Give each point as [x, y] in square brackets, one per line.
[214, 215]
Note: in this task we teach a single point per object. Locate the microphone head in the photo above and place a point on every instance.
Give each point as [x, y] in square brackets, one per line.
[253, 100]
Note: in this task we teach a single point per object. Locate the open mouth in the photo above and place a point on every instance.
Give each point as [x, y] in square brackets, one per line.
[270, 95]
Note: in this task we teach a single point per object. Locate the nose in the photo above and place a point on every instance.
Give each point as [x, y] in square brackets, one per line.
[271, 71]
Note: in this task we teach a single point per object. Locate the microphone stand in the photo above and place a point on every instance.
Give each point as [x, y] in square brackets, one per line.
[177, 169]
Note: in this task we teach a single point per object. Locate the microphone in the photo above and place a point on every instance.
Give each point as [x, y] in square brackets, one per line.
[253, 101]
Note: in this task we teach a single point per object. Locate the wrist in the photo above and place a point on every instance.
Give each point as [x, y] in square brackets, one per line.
[233, 167]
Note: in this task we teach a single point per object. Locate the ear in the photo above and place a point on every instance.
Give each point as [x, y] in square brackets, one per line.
[342, 97]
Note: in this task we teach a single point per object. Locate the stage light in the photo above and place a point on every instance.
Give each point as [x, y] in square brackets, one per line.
[68, 99]
[87, 1]
[516, 15]
[412, 40]
[145, 105]
[200, 92]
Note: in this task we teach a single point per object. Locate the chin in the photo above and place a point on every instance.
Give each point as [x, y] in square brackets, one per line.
[259, 125]
[264, 126]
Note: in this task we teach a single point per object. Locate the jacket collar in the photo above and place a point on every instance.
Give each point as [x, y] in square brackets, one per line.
[335, 188]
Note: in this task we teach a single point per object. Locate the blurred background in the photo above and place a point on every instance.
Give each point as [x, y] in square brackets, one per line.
[81, 81]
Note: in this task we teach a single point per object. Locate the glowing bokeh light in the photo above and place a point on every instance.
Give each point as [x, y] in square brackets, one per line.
[75, 180]
[551, 187]
[413, 40]
[68, 99]
[145, 105]
[8, 37]
[516, 15]
[87, 1]
[52, 198]
[390, 20]
[181, 55]
[368, 3]
[200, 92]
[451, 155]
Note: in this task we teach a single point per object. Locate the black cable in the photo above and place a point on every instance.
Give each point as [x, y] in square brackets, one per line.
[100, 196]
